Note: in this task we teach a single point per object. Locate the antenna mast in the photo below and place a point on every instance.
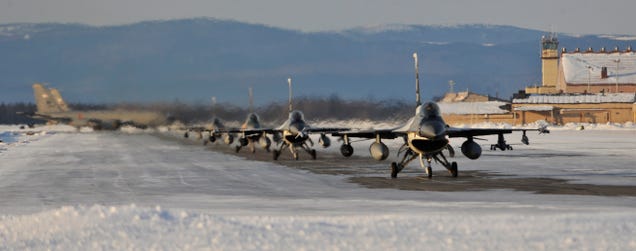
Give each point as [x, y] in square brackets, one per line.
[290, 93]
[251, 94]
[417, 82]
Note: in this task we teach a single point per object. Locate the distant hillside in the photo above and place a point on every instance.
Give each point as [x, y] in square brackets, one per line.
[191, 60]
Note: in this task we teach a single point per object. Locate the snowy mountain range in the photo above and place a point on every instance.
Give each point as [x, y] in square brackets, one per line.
[193, 59]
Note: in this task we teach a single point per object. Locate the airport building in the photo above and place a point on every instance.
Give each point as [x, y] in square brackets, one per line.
[470, 108]
[582, 72]
[555, 109]
[577, 87]
[580, 86]
[562, 109]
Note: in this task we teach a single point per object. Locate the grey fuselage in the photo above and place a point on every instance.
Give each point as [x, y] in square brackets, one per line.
[426, 131]
[294, 128]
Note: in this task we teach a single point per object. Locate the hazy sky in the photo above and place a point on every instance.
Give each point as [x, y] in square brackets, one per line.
[566, 16]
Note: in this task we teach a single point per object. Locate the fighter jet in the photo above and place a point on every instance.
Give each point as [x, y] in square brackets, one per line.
[293, 133]
[51, 107]
[248, 135]
[213, 129]
[426, 136]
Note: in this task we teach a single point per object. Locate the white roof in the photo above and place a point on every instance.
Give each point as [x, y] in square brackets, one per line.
[490, 107]
[576, 71]
[576, 99]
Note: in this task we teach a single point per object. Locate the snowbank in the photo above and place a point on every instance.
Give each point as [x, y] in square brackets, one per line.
[133, 228]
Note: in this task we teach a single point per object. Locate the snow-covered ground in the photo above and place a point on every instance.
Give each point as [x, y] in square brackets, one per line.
[130, 190]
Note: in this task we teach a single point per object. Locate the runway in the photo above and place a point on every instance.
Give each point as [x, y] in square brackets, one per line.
[373, 174]
[132, 189]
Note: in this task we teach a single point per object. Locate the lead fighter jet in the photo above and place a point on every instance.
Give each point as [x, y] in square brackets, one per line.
[426, 137]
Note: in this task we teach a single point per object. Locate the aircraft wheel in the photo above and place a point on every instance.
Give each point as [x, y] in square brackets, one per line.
[186, 135]
[454, 171]
[237, 148]
[313, 154]
[429, 172]
[275, 153]
[394, 170]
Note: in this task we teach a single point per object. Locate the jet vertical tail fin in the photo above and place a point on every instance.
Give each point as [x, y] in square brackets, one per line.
[43, 100]
[214, 107]
[48, 100]
[290, 93]
[251, 94]
[417, 82]
[55, 94]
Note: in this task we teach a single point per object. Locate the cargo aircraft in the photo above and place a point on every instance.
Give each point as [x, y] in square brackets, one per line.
[51, 107]
[426, 136]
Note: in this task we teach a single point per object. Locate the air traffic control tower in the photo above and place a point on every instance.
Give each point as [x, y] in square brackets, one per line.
[549, 66]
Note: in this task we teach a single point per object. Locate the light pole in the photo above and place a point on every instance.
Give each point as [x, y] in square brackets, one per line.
[617, 62]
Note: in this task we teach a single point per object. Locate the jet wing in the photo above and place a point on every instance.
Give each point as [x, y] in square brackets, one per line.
[203, 128]
[454, 132]
[471, 132]
[278, 130]
[34, 115]
[370, 134]
[248, 131]
[325, 130]
[198, 129]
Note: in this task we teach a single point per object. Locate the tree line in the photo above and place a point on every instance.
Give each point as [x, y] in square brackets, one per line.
[314, 108]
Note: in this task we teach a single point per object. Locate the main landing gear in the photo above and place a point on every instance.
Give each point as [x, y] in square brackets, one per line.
[501, 143]
[251, 146]
[293, 150]
[439, 157]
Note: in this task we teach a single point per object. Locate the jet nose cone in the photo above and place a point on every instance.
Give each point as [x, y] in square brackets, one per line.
[427, 131]
[432, 131]
[294, 129]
